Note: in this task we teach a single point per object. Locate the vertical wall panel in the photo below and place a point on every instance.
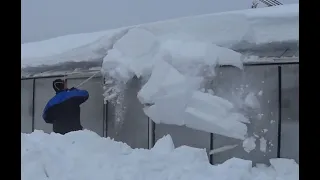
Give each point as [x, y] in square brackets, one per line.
[43, 93]
[26, 105]
[290, 112]
[234, 85]
[92, 110]
[182, 135]
[133, 130]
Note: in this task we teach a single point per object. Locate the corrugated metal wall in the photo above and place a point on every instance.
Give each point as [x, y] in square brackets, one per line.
[280, 91]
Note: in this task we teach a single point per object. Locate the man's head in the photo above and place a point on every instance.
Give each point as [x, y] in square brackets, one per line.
[58, 85]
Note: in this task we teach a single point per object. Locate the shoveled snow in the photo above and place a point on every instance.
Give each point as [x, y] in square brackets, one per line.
[85, 155]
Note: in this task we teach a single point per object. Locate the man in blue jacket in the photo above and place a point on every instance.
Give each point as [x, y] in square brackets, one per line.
[63, 110]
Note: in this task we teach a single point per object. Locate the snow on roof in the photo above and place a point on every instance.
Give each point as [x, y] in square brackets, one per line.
[246, 31]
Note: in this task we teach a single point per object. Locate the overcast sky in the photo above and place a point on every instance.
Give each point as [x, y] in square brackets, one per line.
[44, 19]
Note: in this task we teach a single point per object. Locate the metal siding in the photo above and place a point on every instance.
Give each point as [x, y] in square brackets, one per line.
[26, 105]
[182, 135]
[133, 130]
[290, 112]
[92, 110]
[43, 93]
[234, 84]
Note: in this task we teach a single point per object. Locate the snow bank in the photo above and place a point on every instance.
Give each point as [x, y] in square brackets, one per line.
[236, 29]
[85, 155]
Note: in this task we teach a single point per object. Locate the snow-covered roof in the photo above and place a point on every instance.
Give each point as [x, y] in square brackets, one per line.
[264, 32]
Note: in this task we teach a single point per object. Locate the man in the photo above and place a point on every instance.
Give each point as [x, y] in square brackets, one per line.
[63, 110]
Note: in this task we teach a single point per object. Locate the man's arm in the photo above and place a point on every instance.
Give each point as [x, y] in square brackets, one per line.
[49, 115]
[81, 96]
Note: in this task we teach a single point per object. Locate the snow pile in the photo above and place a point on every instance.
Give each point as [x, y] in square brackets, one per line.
[85, 155]
[236, 30]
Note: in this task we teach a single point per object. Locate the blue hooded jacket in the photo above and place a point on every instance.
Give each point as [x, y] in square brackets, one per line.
[63, 110]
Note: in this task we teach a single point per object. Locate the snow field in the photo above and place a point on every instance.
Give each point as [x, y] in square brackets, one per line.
[84, 155]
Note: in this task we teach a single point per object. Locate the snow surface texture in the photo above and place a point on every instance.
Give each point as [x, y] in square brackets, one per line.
[244, 29]
[85, 155]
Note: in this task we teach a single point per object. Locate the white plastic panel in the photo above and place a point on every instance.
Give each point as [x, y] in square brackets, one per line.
[290, 112]
[92, 110]
[133, 130]
[234, 85]
[43, 93]
[26, 105]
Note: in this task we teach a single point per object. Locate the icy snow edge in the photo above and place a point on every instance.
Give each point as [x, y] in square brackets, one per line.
[85, 155]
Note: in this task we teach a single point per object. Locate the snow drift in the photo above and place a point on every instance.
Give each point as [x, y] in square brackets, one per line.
[85, 155]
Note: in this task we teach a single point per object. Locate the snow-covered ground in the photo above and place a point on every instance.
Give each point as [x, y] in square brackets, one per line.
[84, 155]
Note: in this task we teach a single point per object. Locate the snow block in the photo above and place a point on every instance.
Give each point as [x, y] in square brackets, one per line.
[164, 145]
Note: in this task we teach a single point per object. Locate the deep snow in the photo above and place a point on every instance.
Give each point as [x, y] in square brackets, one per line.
[85, 155]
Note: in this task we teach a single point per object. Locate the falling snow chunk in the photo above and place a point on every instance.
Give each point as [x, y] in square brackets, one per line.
[263, 145]
[252, 101]
[259, 116]
[249, 144]
[272, 121]
[260, 93]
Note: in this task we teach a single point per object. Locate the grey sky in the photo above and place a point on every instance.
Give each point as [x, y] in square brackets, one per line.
[43, 19]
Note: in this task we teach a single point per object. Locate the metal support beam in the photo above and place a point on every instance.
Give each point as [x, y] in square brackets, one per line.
[279, 111]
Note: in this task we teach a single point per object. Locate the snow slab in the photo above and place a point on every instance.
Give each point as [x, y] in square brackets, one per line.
[177, 71]
[85, 155]
[235, 29]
